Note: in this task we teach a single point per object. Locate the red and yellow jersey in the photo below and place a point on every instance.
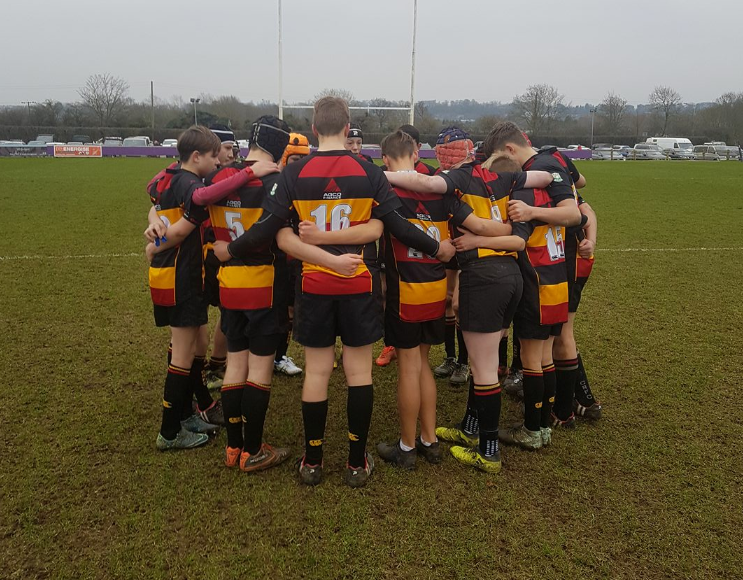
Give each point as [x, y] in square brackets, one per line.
[335, 190]
[177, 273]
[542, 263]
[247, 283]
[416, 283]
[487, 193]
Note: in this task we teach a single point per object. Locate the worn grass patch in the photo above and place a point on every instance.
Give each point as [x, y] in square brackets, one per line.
[652, 491]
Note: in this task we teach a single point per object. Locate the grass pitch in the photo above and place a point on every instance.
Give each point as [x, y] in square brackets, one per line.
[651, 491]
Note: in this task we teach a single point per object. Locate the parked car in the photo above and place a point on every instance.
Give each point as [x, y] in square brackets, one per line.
[37, 143]
[11, 143]
[710, 152]
[686, 154]
[623, 150]
[609, 154]
[170, 143]
[646, 151]
[577, 147]
[602, 145]
[733, 152]
[138, 141]
[112, 141]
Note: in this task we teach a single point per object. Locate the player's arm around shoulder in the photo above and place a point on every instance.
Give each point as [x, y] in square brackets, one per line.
[364, 233]
[414, 181]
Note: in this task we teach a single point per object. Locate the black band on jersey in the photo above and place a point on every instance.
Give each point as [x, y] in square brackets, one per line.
[261, 232]
[408, 234]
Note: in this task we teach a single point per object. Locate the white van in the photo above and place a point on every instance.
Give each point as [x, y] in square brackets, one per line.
[674, 147]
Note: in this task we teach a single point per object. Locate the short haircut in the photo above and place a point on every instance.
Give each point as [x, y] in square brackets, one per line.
[501, 165]
[197, 138]
[502, 134]
[413, 132]
[331, 116]
[398, 145]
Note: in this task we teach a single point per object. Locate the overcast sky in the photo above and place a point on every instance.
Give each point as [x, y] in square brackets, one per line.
[478, 49]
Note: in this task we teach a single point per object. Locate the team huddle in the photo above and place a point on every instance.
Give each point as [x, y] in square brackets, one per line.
[326, 244]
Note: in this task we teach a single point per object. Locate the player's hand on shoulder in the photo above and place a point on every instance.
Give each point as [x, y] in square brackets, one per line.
[347, 264]
[263, 168]
[446, 251]
[518, 211]
[221, 251]
[467, 241]
[586, 248]
[155, 231]
[309, 233]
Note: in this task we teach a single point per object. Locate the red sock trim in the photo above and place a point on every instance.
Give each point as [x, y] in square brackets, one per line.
[233, 386]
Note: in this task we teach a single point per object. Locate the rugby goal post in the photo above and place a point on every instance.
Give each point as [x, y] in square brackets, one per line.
[410, 109]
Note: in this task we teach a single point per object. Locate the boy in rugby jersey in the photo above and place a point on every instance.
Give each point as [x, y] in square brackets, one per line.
[175, 276]
[339, 193]
[355, 142]
[416, 303]
[490, 285]
[539, 218]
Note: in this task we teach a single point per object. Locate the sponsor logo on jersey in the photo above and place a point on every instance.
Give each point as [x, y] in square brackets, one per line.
[556, 177]
[332, 195]
[273, 189]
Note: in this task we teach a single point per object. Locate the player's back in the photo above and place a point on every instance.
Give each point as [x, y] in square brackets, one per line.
[416, 283]
[335, 190]
[245, 283]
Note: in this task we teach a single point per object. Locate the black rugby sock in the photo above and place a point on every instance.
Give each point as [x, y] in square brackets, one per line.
[176, 384]
[203, 398]
[566, 375]
[254, 407]
[516, 361]
[488, 400]
[232, 395]
[503, 352]
[463, 357]
[583, 392]
[548, 400]
[450, 332]
[470, 424]
[533, 398]
[283, 347]
[359, 407]
[314, 416]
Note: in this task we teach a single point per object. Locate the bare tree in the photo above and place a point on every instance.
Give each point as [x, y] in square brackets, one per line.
[106, 96]
[665, 101]
[538, 107]
[342, 93]
[612, 110]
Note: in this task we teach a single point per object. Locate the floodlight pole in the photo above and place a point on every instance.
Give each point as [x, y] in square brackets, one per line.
[195, 119]
[593, 111]
[281, 95]
[412, 66]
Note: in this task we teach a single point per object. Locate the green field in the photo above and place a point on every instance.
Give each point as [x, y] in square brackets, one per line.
[654, 490]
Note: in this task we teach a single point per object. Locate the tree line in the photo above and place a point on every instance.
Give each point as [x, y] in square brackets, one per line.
[106, 108]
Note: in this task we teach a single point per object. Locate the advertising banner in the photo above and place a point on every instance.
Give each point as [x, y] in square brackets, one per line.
[78, 151]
